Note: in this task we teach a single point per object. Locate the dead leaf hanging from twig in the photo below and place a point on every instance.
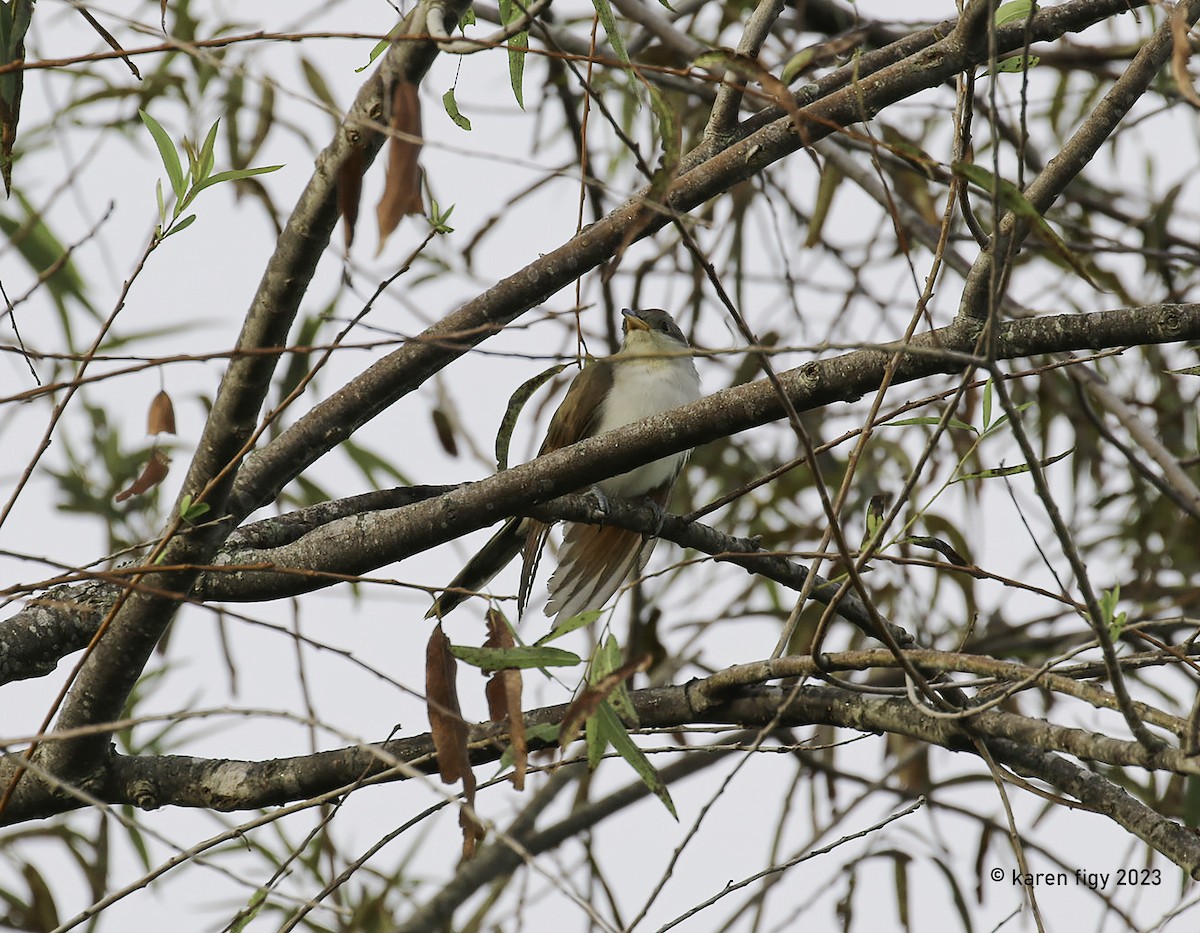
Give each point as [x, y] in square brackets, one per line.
[402, 191]
[504, 697]
[449, 731]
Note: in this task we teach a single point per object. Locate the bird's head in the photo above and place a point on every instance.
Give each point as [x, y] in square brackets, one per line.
[652, 331]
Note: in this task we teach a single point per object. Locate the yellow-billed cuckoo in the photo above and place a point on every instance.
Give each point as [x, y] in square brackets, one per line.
[652, 372]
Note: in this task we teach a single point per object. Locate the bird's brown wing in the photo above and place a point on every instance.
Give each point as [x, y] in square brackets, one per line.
[575, 419]
[595, 560]
[579, 413]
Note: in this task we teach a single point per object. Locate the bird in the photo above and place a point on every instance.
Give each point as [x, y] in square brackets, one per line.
[652, 372]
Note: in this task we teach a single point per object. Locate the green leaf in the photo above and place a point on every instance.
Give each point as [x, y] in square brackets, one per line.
[250, 911]
[373, 466]
[452, 110]
[207, 158]
[15, 17]
[495, 659]
[166, 152]
[182, 225]
[317, 84]
[937, 544]
[1012, 470]
[1012, 199]
[515, 403]
[831, 180]
[517, 45]
[1017, 64]
[670, 138]
[234, 174]
[1115, 621]
[610, 727]
[1012, 11]
[621, 702]
[190, 511]
[569, 625]
[796, 64]
[608, 21]
[1188, 371]
[382, 46]
[546, 732]
[987, 404]
[438, 217]
[932, 419]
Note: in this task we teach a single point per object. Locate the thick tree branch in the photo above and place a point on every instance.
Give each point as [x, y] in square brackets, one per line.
[1032, 745]
[426, 524]
[347, 539]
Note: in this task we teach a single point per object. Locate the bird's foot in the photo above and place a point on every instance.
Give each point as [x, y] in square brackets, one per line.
[660, 516]
[602, 504]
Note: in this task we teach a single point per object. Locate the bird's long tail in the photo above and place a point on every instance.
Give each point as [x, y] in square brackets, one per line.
[504, 545]
[593, 563]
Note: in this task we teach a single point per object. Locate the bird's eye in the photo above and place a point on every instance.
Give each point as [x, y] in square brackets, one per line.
[665, 327]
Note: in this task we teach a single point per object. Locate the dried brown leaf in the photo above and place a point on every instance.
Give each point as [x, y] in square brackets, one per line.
[402, 190]
[445, 431]
[152, 474]
[449, 731]
[161, 419]
[504, 697]
[473, 831]
[445, 715]
[349, 189]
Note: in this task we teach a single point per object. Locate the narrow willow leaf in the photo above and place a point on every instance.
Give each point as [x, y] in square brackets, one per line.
[569, 625]
[937, 544]
[1012, 470]
[503, 692]
[614, 731]
[233, 174]
[831, 179]
[207, 158]
[517, 45]
[609, 22]
[933, 419]
[166, 152]
[515, 404]
[1013, 199]
[15, 18]
[496, 659]
[182, 225]
[250, 911]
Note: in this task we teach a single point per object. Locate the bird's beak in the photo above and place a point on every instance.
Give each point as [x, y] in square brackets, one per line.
[633, 321]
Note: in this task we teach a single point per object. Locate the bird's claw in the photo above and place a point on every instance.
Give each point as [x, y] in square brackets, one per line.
[602, 504]
[660, 516]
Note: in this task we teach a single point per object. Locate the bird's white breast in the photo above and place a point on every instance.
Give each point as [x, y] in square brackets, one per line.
[643, 387]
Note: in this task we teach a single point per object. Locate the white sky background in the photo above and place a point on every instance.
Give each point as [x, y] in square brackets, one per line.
[208, 274]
